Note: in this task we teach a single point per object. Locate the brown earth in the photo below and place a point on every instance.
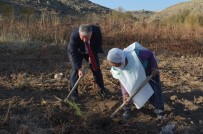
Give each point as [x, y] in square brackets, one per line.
[28, 86]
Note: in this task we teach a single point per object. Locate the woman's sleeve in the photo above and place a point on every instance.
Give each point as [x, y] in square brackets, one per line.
[148, 55]
[123, 90]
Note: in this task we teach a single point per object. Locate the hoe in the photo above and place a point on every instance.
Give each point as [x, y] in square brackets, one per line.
[73, 89]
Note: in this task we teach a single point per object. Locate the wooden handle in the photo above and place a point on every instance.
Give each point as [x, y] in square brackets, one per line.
[137, 90]
[75, 85]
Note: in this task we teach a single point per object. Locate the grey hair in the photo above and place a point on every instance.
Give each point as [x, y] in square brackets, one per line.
[84, 29]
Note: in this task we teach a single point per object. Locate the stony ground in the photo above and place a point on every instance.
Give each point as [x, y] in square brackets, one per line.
[28, 105]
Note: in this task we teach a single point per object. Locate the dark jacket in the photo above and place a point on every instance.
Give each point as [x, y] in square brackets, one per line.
[76, 46]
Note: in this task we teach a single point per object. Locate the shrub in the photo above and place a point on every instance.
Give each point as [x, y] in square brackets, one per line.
[5, 8]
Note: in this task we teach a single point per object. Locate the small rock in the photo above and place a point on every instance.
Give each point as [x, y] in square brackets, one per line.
[174, 97]
[188, 75]
[182, 57]
[189, 90]
[191, 122]
[58, 76]
[195, 78]
[170, 72]
[199, 99]
[185, 109]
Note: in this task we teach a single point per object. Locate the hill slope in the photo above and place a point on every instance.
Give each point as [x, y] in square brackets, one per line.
[180, 11]
[67, 7]
[141, 14]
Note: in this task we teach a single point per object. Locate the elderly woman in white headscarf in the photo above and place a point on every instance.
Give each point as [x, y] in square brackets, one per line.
[131, 66]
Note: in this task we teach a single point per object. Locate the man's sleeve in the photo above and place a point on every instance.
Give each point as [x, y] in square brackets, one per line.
[99, 40]
[73, 53]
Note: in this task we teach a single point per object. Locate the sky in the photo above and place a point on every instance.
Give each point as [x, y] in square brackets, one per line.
[133, 5]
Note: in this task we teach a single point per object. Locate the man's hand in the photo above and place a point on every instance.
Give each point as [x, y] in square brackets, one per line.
[89, 60]
[155, 72]
[80, 72]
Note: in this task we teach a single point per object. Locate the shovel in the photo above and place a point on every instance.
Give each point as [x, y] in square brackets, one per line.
[74, 87]
[137, 90]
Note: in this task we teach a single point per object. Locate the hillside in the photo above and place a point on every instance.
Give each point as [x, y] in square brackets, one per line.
[67, 7]
[179, 12]
[189, 13]
[193, 7]
[141, 14]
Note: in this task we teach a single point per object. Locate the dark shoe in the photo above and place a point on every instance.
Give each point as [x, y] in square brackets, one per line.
[127, 114]
[159, 113]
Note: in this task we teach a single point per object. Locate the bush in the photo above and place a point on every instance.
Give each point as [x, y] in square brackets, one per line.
[179, 18]
[186, 18]
[5, 8]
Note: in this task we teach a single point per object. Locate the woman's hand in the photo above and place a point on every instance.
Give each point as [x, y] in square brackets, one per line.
[90, 61]
[125, 97]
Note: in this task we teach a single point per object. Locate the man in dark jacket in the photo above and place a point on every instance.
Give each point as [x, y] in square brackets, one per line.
[85, 43]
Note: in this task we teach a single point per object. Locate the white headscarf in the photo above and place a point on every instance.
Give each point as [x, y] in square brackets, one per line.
[116, 55]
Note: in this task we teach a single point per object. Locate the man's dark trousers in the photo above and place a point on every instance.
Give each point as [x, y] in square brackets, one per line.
[97, 74]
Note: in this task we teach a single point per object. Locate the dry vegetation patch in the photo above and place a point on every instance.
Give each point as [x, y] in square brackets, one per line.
[30, 71]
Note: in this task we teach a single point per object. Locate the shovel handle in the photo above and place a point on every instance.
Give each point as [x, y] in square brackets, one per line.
[137, 90]
[75, 85]
[73, 89]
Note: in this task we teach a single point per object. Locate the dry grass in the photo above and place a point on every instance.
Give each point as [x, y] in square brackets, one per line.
[34, 50]
[118, 30]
